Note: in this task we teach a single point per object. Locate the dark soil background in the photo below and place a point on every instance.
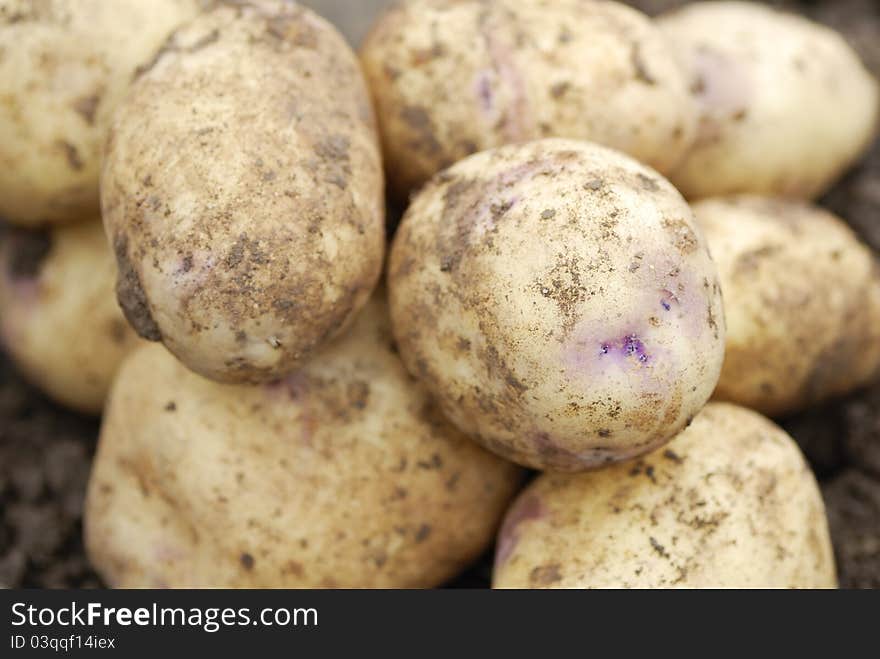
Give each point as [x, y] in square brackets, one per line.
[45, 451]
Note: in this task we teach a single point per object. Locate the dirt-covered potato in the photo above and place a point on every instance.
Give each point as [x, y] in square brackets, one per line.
[242, 191]
[451, 77]
[64, 66]
[559, 301]
[342, 474]
[785, 104]
[802, 301]
[58, 314]
[730, 503]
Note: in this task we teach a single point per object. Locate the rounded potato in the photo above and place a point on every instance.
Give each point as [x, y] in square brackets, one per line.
[451, 77]
[559, 301]
[730, 503]
[801, 298]
[242, 191]
[785, 104]
[343, 474]
[64, 66]
[60, 321]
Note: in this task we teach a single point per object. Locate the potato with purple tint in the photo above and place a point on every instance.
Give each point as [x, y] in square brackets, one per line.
[60, 322]
[243, 192]
[451, 77]
[559, 301]
[729, 503]
[786, 106]
[64, 67]
[343, 474]
[802, 301]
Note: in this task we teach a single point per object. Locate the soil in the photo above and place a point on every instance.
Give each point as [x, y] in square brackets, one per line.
[853, 502]
[45, 451]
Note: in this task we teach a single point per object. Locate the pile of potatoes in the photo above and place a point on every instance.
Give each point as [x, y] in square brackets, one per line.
[608, 269]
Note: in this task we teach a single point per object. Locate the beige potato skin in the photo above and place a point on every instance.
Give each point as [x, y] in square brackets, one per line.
[451, 77]
[342, 475]
[802, 301]
[730, 503]
[786, 106]
[243, 192]
[58, 314]
[558, 300]
[64, 67]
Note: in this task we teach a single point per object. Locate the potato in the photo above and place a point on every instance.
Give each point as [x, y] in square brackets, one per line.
[267, 234]
[451, 77]
[64, 66]
[342, 474]
[785, 104]
[802, 301]
[730, 503]
[559, 301]
[60, 321]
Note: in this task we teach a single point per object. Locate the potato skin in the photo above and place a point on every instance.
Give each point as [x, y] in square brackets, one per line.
[785, 104]
[559, 301]
[342, 475]
[267, 234]
[730, 503]
[60, 321]
[802, 301]
[451, 77]
[64, 66]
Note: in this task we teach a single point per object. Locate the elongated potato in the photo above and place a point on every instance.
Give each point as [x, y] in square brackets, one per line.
[558, 300]
[451, 77]
[243, 194]
[802, 301]
[730, 503]
[785, 104]
[342, 474]
[59, 320]
[64, 67]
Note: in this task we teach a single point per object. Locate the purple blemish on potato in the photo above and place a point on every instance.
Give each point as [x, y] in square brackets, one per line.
[721, 83]
[587, 357]
[526, 508]
[591, 350]
[669, 298]
[515, 119]
[722, 87]
[633, 347]
[629, 346]
[484, 91]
